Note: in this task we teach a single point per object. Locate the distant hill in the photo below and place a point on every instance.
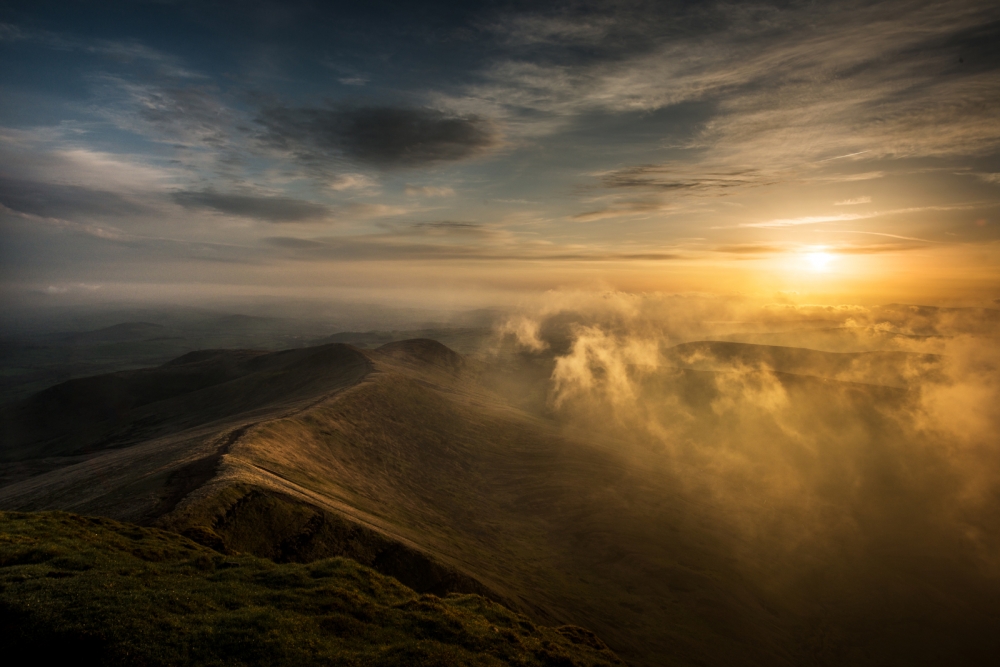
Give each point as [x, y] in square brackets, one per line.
[118, 409]
[117, 333]
[463, 340]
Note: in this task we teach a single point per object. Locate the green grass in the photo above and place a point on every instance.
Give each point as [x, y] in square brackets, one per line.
[116, 594]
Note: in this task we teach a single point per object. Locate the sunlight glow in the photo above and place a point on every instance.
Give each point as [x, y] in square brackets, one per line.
[819, 261]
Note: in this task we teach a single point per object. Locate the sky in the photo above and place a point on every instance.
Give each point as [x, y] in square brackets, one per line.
[436, 152]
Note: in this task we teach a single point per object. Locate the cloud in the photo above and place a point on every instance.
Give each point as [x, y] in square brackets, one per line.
[348, 75]
[53, 200]
[385, 137]
[448, 227]
[816, 219]
[536, 29]
[620, 208]
[672, 178]
[648, 188]
[804, 220]
[429, 191]
[126, 51]
[784, 86]
[360, 210]
[751, 249]
[292, 242]
[875, 248]
[893, 236]
[809, 455]
[847, 178]
[853, 202]
[266, 208]
[450, 240]
[343, 182]
[66, 289]
[193, 114]
[52, 156]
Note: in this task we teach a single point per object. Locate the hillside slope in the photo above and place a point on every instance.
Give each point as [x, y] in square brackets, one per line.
[148, 597]
[672, 545]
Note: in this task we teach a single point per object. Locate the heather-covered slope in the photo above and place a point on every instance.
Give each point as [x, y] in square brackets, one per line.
[108, 593]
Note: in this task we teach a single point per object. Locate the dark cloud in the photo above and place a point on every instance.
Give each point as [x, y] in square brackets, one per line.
[670, 178]
[386, 137]
[970, 50]
[52, 200]
[650, 187]
[268, 209]
[394, 246]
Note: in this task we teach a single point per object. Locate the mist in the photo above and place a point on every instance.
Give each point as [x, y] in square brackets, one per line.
[848, 454]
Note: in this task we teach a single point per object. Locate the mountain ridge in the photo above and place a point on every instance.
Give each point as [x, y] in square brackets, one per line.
[414, 464]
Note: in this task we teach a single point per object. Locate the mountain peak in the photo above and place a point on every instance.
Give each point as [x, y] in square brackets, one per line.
[424, 350]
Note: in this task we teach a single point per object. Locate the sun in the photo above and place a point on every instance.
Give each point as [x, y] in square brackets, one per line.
[819, 261]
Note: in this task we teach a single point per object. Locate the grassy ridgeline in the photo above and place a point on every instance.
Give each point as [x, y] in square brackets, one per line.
[114, 593]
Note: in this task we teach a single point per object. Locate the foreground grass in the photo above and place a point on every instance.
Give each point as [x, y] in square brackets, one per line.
[116, 593]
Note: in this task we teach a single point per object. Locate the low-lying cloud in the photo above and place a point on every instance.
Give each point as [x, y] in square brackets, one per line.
[819, 434]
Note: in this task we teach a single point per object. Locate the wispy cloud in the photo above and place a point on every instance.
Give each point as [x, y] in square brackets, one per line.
[342, 182]
[621, 208]
[457, 240]
[815, 219]
[429, 191]
[266, 208]
[853, 202]
[892, 236]
[751, 249]
[125, 51]
[805, 220]
[788, 87]
[684, 179]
